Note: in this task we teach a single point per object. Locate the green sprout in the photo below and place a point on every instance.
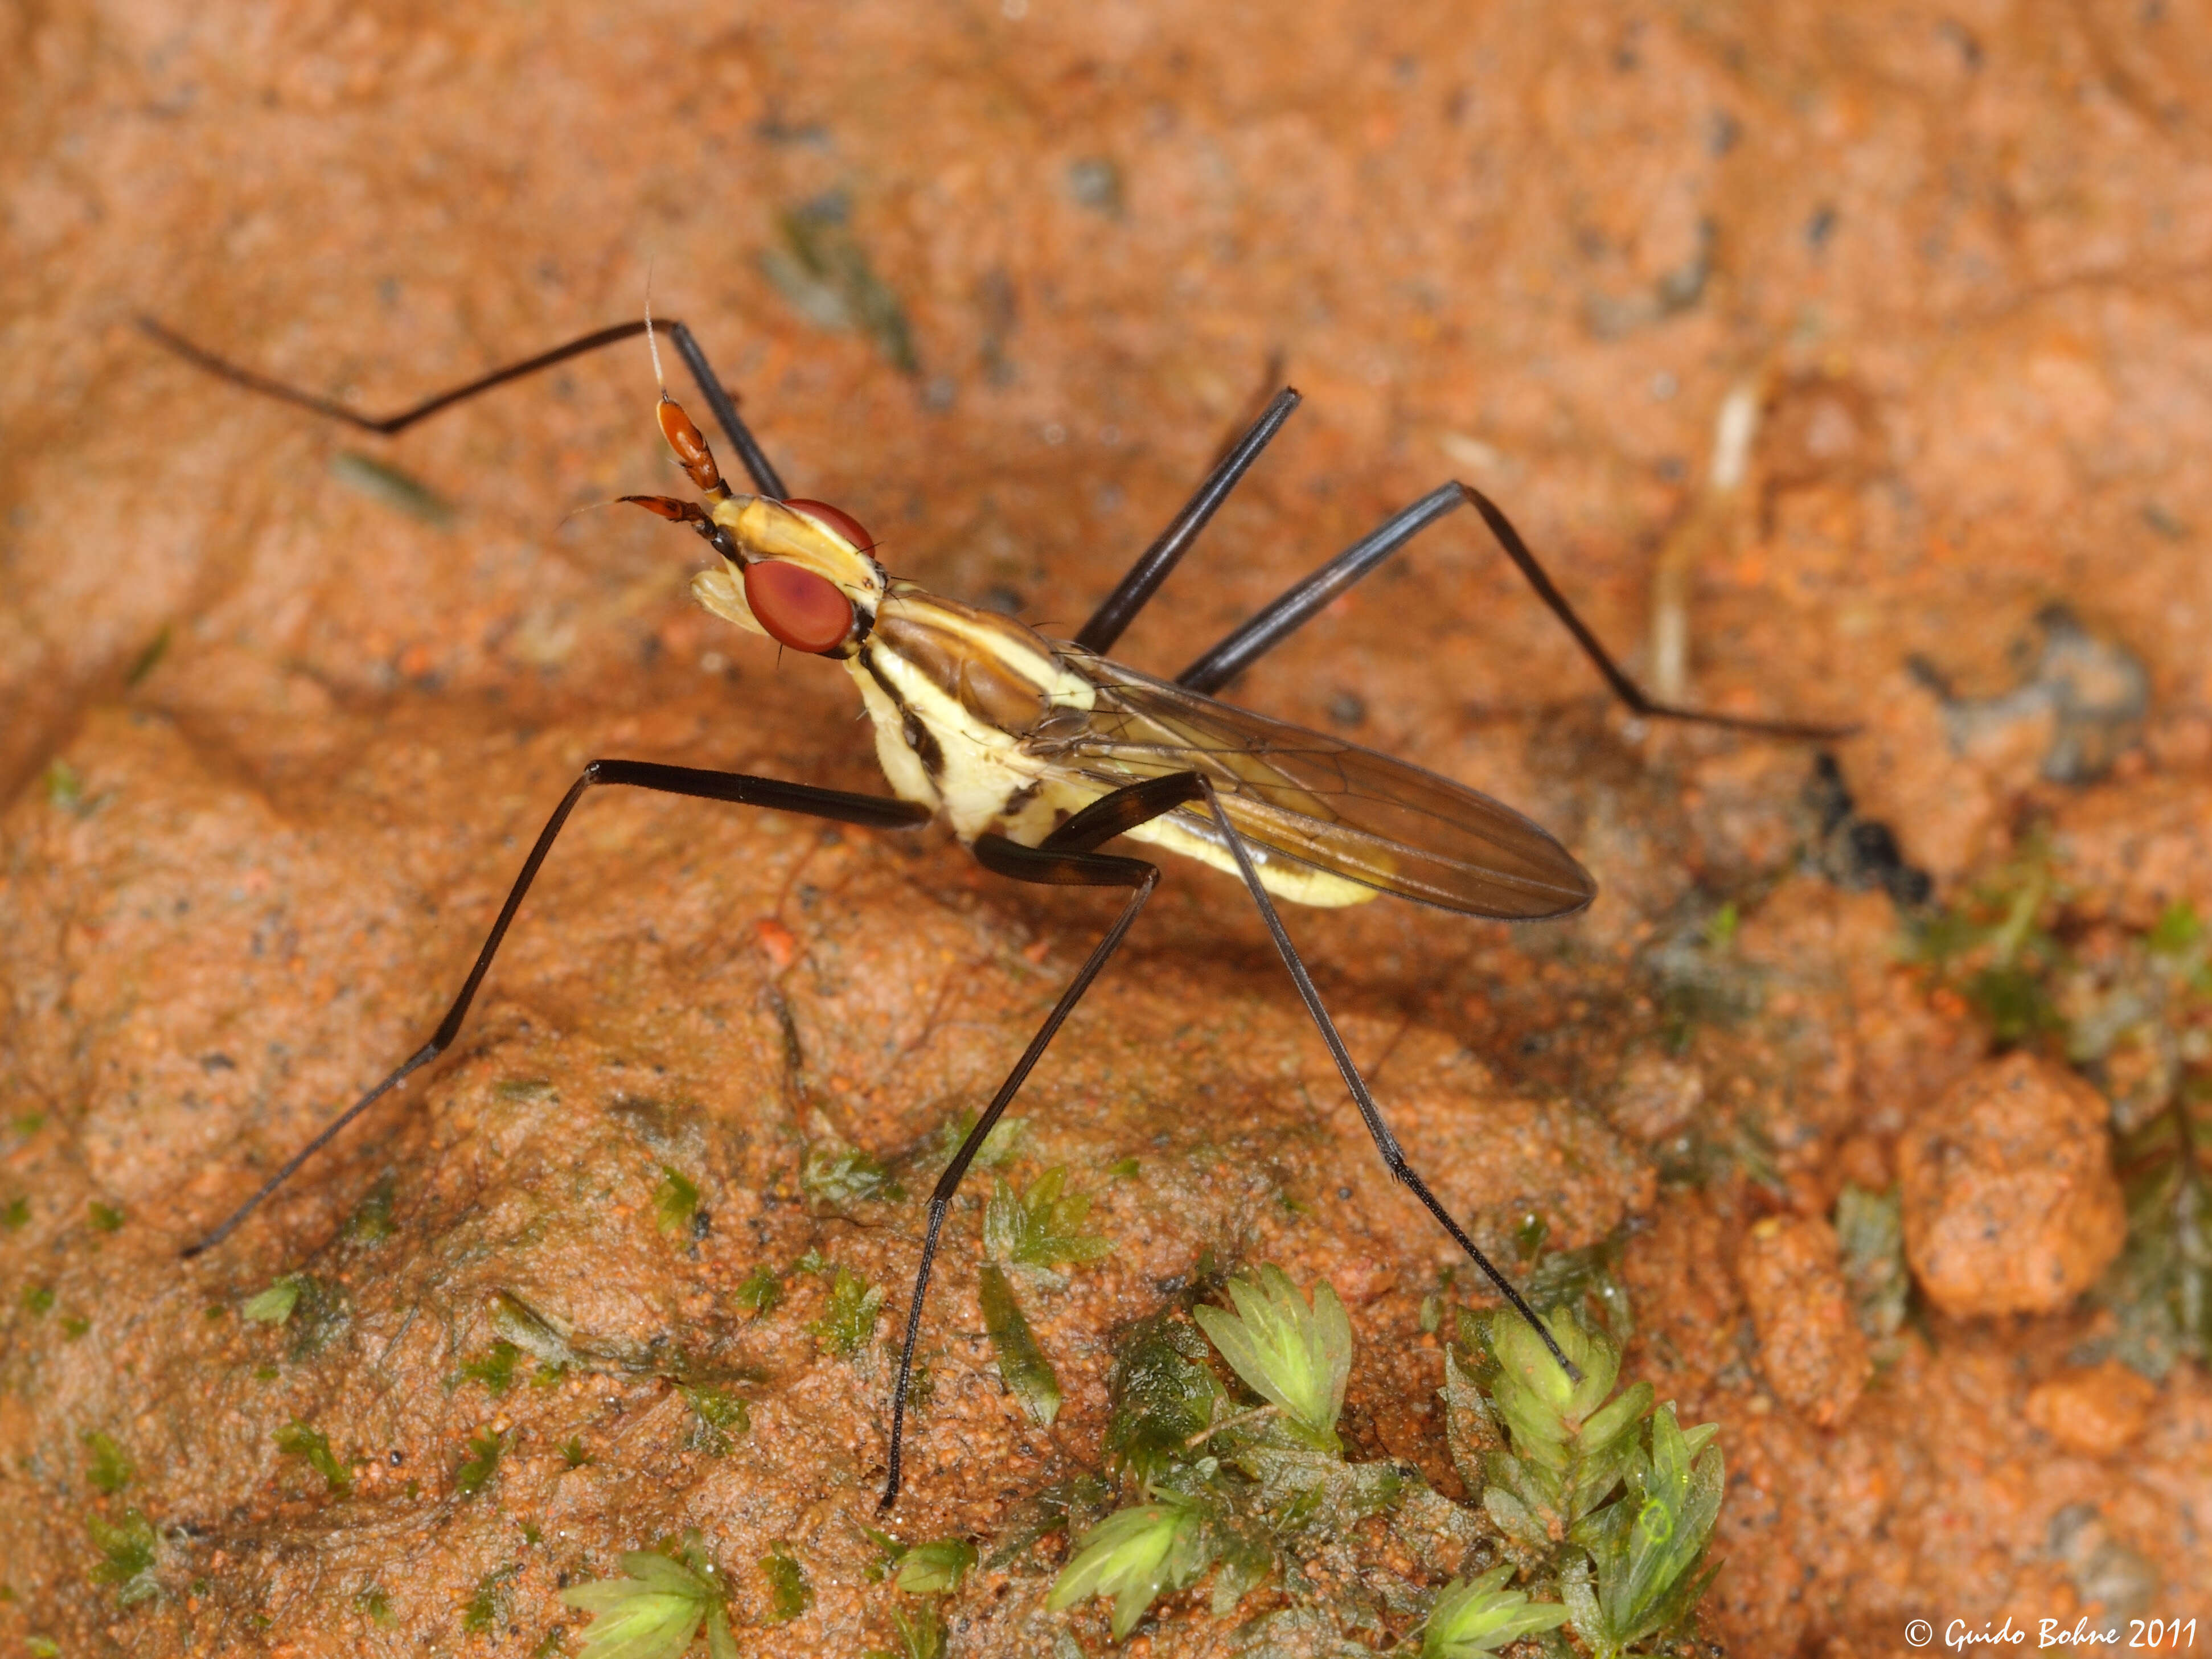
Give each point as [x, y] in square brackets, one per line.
[297, 1440]
[761, 1290]
[1134, 1555]
[936, 1569]
[130, 1551]
[999, 1146]
[1038, 1228]
[573, 1453]
[1480, 1615]
[1295, 1355]
[675, 1202]
[38, 1300]
[371, 1222]
[16, 1214]
[488, 1609]
[494, 1368]
[1646, 1549]
[839, 1176]
[655, 1608]
[716, 1416]
[850, 1317]
[274, 1305]
[375, 1601]
[788, 1593]
[477, 1469]
[107, 1468]
[105, 1217]
[1023, 1369]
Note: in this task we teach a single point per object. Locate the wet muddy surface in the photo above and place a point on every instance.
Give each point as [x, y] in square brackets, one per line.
[1843, 368]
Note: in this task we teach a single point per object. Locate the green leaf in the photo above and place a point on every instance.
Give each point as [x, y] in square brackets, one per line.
[1134, 1555]
[1478, 1615]
[653, 1611]
[849, 1318]
[1039, 1228]
[108, 1469]
[936, 1569]
[1023, 1369]
[296, 1439]
[1646, 1548]
[1295, 1355]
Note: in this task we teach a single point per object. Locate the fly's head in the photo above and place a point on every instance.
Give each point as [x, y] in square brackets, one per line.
[797, 571]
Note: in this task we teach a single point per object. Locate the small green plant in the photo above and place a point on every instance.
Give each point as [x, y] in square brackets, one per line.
[494, 1367]
[838, 1176]
[655, 1609]
[1994, 949]
[130, 1551]
[371, 1222]
[716, 1418]
[488, 1609]
[762, 1291]
[1134, 1555]
[849, 1317]
[1040, 1228]
[375, 1603]
[106, 1466]
[477, 1469]
[789, 1593]
[274, 1305]
[675, 1202]
[936, 1569]
[1870, 1228]
[297, 1440]
[1022, 1367]
[999, 1146]
[16, 1214]
[107, 1218]
[1294, 1355]
[38, 1300]
[1478, 1615]
[1600, 1505]
[573, 1452]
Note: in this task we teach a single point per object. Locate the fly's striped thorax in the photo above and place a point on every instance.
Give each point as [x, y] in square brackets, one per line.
[952, 690]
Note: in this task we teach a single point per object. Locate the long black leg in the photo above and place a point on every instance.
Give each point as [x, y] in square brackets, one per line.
[1064, 860]
[1119, 607]
[1394, 1156]
[756, 460]
[872, 812]
[1282, 617]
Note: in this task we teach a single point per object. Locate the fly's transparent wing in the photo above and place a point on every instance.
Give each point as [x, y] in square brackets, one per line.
[1316, 800]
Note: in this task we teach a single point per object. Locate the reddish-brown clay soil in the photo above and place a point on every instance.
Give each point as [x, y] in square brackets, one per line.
[274, 745]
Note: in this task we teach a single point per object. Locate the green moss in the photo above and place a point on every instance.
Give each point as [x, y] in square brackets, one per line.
[65, 788]
[1039, 1228]
[1124, 1169]
[573, 1452]
[999, 1147]
[74, 1328]
[675, 1202]
[1163, 1394]
[105, 1466]
[936, 1569]
[489, 1608]
[839, 1176]
[494, 1368]
[38, 1300]
[762, 1291]
[1295, 1355]
[129, 1553]
[655, 1609]
[788, 1591]
[849, 1317]
[717, 1418]
[476, 1471]
[375, 1604]
[105, 1217]
[1870, 1228]
[15, 1213]
[297, 1440]
[826, 275]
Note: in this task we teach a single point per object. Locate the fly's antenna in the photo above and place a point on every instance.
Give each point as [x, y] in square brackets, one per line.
[684, 437]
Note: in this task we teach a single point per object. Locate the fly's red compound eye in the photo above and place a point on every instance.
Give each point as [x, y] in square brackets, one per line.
[835, 520]
[797, 607]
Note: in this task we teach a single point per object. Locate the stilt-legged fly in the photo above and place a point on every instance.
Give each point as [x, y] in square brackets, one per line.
[1039, 751]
